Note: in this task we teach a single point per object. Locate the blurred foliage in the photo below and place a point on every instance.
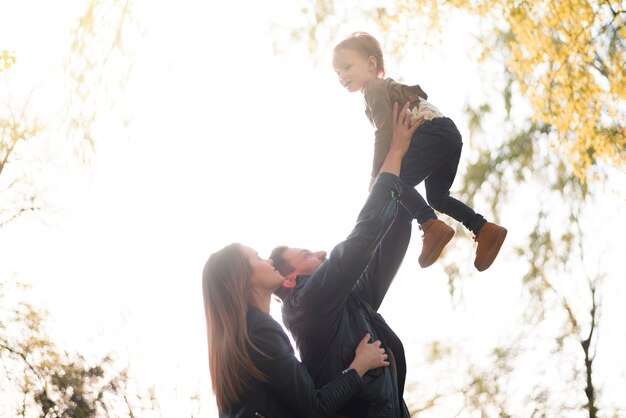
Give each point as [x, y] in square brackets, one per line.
[564, 60]
[7, 59]
[558, 311]
[99, 65]
[566, 57]
[39, 379]
[17, 193]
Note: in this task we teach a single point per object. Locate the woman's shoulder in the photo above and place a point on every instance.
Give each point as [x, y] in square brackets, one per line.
[267, 333]
[258, 319]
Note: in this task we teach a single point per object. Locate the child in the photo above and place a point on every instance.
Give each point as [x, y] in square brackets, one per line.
[433, 156]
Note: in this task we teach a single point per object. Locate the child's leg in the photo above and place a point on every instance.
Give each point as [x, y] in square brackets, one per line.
[430, 147]
[438, 186]
[436, 233]
[415, 204]
[489, 236]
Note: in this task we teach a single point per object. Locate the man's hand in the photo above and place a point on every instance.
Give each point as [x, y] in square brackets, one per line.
[402, 131]
[403, 128]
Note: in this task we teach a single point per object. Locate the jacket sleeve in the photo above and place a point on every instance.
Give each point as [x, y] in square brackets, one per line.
[379, 107]
[327, 289]
[289, 380]
[380, 272]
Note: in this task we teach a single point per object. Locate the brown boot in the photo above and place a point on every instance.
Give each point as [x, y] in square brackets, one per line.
[489, 239]
[436, 235]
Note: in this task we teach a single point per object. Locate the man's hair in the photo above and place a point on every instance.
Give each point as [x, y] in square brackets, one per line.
[280, 264]
[365, 44]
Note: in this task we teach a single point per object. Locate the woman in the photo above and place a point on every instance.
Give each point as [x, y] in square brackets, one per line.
[253, 368]
[254, 372]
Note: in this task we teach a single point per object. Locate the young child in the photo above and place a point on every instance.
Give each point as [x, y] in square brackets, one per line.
[433, 156]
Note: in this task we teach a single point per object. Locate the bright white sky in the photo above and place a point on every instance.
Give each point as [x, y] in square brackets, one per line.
[228, 143]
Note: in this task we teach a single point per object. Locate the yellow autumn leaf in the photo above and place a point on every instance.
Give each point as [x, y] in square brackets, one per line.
[568, 58]
[7, 59]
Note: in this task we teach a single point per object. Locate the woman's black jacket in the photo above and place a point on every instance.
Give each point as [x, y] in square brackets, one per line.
[289, 391]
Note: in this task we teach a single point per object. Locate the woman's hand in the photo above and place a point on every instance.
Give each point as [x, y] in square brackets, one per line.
[368, 356]
[402, 131]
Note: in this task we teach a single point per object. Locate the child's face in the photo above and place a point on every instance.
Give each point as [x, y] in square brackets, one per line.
[354, 69]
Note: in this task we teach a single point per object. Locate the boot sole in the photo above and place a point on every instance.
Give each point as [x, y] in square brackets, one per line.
[445, 239]
[493, 252]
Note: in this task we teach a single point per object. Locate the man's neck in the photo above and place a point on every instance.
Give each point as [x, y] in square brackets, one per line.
[282, 292]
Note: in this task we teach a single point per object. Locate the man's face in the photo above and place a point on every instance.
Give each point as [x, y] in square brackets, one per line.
[303, 261]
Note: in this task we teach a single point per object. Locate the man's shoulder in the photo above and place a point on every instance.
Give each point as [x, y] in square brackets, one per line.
[296, 295]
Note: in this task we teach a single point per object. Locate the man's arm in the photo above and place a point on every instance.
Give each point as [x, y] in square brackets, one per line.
[329, 286]
[374, 283]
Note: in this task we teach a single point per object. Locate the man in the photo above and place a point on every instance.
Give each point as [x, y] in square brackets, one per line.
[330, 303]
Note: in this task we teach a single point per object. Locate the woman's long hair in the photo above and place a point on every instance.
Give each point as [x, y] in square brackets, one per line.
[226, 298]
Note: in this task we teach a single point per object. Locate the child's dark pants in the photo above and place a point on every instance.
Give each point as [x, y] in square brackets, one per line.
[434, 156]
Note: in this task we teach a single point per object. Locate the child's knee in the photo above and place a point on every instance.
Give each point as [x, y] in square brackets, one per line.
[437, 201]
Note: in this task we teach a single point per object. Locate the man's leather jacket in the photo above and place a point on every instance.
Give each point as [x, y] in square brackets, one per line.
[289, 391]
[329, 312]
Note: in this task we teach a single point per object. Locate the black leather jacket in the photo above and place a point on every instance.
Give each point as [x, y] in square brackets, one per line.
[290, 391]
[329, 312]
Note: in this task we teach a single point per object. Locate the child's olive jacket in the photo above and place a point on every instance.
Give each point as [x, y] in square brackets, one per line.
[380, 95]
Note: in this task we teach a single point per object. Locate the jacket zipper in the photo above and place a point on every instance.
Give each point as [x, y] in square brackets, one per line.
[256, 414]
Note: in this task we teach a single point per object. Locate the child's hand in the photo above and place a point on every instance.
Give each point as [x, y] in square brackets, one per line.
[369, 356]
[412, 113]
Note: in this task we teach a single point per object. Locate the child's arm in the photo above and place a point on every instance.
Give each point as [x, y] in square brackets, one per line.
[379, 105]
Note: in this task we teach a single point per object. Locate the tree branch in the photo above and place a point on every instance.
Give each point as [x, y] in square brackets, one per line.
[16, 215]
[586, 343]
[28, 364]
